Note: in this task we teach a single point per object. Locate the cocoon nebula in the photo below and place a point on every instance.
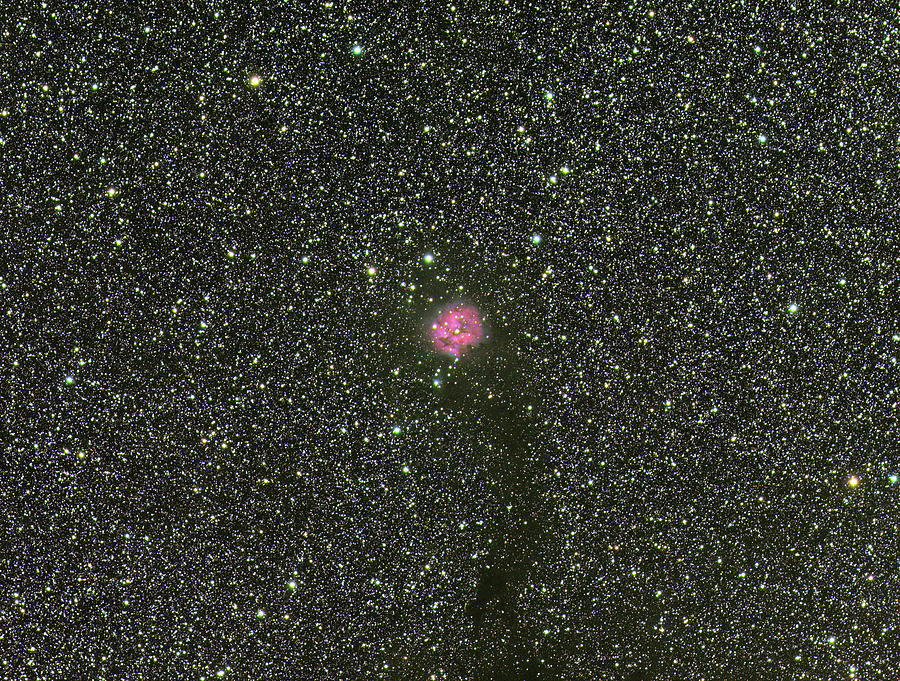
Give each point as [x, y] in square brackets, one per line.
[456, 330]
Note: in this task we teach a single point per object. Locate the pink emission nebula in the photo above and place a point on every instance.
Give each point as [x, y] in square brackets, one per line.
[456, 330]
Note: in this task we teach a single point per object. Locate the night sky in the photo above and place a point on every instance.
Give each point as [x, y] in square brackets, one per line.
[231, 449]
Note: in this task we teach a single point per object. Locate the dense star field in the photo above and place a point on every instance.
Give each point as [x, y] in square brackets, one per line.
[491, 341]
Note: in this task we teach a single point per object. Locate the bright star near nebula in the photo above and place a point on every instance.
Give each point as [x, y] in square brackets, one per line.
[456, 330]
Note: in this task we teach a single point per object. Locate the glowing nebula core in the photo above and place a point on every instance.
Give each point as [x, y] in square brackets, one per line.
[456, 330]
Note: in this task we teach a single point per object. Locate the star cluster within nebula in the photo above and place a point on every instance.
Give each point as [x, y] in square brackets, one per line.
[456, 330]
